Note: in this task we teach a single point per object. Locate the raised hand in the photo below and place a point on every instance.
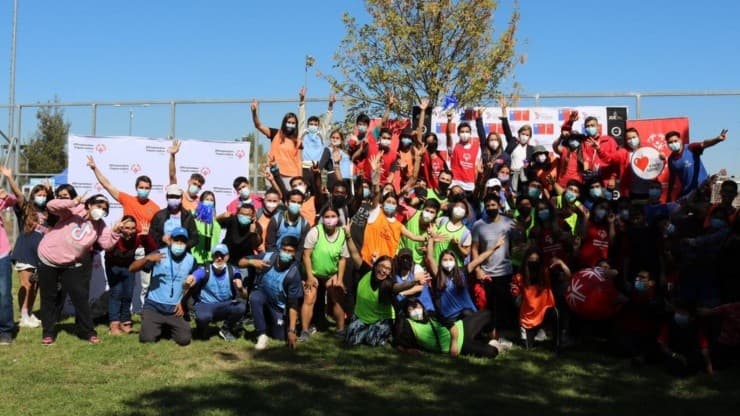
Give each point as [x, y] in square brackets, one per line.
[175, 147]
[391, 99]
[424, 104]
[254, 106]
[91, 162]
[573, 116]
[145, 227]
[302, 94]
[332, 99]
[375, 161]
[722, 135]
[5, 171]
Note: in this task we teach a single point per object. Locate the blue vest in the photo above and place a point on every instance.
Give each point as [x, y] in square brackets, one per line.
[217, 288]
[688, 169]
[167, 278]
[313, 148]
[272, 283]
[285, 229]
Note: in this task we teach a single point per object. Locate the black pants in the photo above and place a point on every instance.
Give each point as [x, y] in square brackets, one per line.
[152, 323]
[75, 282]
[552, 322]
[500, 302]
[472, 326]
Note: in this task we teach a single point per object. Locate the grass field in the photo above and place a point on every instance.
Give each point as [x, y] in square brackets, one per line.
[122, 377]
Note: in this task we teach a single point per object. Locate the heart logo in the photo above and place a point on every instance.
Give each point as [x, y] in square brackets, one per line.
[642, 163]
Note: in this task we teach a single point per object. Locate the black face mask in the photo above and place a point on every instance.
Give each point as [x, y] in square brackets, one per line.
[338, 200]
[443, 186]
[525, 211]
[492, 213]
[405, 263]
[533, 265]
[432, 147]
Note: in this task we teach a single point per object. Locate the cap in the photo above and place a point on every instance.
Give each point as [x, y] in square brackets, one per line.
[220, 248]
[539, 149]
[173, 189]
[179, 232]
[493, 182]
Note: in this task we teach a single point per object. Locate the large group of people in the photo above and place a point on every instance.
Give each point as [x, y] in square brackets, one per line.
[381, 235]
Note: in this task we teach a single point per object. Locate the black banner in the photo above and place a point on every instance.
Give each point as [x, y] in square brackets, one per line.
[616, 123]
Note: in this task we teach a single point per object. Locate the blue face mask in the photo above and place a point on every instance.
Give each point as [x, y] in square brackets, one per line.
[177, 249]
[294, 208]
[574, 144]
[207, 203]
[244, 219]
[40, 201]
[313, 129]
[366, 193]
[717, 223]
[670, 229]
[596, 193]
[591, 131]
[193, 189]
[534, 193]
[285, 257]
[405, 141]
[143, 193]
[640, 285]
[389, 209]
[543, 214]
[674, 146]
[600, 213]
[654, 193]
[570, 196]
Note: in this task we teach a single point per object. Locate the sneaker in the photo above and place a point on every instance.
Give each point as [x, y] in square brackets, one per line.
[305, 335]
[35, 319]
[226, 334]
[501, 347]
[523, 333]
[541, 336]
[47, 341]
[6, 339]
[505, 343]
[94, 340]
[262, 341]
[311, 330]
[340, 334]
[28, 323]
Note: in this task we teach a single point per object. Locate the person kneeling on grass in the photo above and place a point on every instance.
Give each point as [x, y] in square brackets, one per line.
[215, 288]
[169, 267]
[277, 294]
[414, 331]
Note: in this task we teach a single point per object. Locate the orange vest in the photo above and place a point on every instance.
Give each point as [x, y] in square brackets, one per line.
[381, 238]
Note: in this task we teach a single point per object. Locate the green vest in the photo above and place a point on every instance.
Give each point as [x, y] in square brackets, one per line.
[415, 246]
[432, 336]
[367, 305]
[441, 246]
[209, 235]
[325, 255]
[572, 220]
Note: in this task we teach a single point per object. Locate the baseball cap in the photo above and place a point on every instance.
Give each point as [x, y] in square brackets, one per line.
[493, 182]
[179, 232]
[539, 149]
[220, 248]
[173, 189]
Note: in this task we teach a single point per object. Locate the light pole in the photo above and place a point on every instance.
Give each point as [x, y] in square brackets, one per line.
[131, 115]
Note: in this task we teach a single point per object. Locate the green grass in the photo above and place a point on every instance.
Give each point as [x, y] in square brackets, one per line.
[121, 376]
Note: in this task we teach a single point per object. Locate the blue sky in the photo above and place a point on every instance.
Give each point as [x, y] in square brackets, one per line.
[139, 50]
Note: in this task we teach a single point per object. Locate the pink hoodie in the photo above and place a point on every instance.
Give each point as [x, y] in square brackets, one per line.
[73, 235]
[9, 201]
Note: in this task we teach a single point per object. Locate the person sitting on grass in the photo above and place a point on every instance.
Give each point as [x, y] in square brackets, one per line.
[169, 267]
[415, 331]
[683, 342]
[277, 294]
[215, 288]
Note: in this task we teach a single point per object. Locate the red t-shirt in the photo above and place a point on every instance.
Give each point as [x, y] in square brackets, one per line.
[433, 166]
[596, 244]
[463, 161]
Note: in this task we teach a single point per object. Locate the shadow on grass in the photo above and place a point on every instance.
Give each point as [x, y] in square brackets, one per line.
[319, 381]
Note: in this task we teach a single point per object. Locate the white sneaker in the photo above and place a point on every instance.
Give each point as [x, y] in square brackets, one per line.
[28, 323]
[501, 347]
[541, 336]
[262, 341]
[505, 343]
[35, 319]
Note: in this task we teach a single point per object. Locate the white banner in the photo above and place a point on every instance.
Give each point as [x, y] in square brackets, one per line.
[545, 122]
[123, 159]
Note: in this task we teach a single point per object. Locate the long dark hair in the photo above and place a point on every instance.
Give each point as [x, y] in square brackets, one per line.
[31, 211]
[385, 286]
[440, 280]
[533, 277]
[283, 128]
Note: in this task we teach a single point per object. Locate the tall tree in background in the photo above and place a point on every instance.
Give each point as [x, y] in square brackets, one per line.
[418, 48]
[47, 151]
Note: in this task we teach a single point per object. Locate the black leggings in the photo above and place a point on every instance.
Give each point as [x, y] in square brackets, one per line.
[472, 326]
[500, 302]
[76, 283]
[551, 321]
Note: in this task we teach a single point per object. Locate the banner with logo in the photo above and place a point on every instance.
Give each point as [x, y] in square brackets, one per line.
[545, 121]
[652, 134]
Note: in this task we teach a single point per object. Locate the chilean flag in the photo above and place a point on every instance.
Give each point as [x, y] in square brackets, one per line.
[564, 113]
[519, 115]
[496, 128]
[541, 128]
[441, 128]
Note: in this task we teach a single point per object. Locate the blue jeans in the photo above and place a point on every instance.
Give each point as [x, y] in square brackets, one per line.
[227, 311]
[259, 305]
[6, 297]
[121, 282]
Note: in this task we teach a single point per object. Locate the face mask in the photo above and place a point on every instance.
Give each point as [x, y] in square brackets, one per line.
[570, 196]
[533, 265]
[143, 193]
[177, 249]
[543, 214]
[640, 285]
[271, 206]
[405, 141]
[443, 186]
[331, 222]
[458, 212]
[492, 213]
[717, 223]
[464, 137]
[574, 144]
[336, 142]
[362, 128]
[600, 213]
[503, 178]
[596, 193]
[290, 127]
[97, 213]
[173, 203]
[448, 265]
[301, 188]
[654, 193]
[417, 314]
[427, 216]
[294, 208]
[534, 193]
[541, 158]
[338, 200]
[674, 146]
[670, 229]
[523, 138]
[313, 129]
[681, 319]
[493, 144]
[39, 201]
[193, 189]
[366, 193]
[385, 143]
[634, 142]
[389, 209]
[432, 147]
[285, 257]
[219, 267]
[245, 192]
[244, 219]
[624, 214]
[591, 131]
[207, 203]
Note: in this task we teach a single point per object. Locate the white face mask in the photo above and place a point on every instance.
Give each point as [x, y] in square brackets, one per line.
[458, 212]
[385, 142]
[541, 158]
[634, 142]
[417, 314]
[427, 216]
[464, 137]
[494, 144]
[336, 142]
[218, 266]
[271, 206]
[97, 213]
[448, 265]
[301, 188]
[523, 138]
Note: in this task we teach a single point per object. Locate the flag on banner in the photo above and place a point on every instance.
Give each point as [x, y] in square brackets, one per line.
[540, 128]
[442, 128]
[496, 128]
[564, 113]
[519, 115]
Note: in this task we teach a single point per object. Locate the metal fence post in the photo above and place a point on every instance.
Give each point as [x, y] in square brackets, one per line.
[637, 106]
[18, 139]
[94, 117]
[172, 118]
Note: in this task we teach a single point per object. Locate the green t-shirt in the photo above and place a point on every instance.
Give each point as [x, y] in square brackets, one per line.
[415, 246]
[433, 336]
[368, 307]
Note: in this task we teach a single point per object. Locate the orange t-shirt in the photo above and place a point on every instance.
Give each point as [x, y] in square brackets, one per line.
[287, 155]
[308, 210]
[263, 221]
[187, 204]
[142, 212]
[381, 238]
[536, 300]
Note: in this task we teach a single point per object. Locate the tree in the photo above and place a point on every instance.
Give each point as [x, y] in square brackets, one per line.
[417, 48]
[47, 151]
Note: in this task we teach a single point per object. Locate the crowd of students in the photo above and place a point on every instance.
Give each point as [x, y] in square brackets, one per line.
[465, 250]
